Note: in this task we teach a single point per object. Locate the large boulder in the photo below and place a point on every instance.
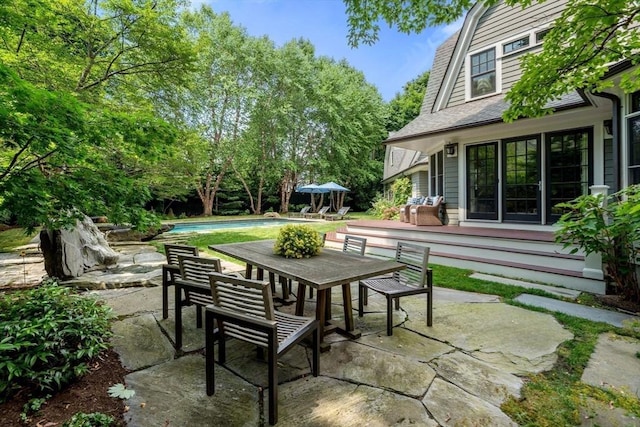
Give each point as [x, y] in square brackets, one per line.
[70, 253]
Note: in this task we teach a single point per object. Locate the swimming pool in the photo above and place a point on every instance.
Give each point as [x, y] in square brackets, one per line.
[206, 227]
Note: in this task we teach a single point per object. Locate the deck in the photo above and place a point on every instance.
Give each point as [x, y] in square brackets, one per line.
[523, 254]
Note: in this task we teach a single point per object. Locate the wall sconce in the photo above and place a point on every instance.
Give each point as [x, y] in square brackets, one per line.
[451, 148]
[608, 126]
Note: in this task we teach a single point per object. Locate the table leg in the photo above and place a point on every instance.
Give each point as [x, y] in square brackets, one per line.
[300, 300]
[349, 324]
[320, 316]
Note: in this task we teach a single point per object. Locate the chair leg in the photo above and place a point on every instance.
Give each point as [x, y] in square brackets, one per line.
[198, 316]
[397, 303]
[165, 293]
[315, 369]
[389, 316]
[430, 308]
[361, 292]
[178, 317]
[273, 380]
[209, 358]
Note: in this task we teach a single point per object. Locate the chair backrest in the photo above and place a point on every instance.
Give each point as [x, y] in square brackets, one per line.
[433, 200]
[245, 298]
[324, 209]
[174, 251]
[323, 237]
[354, 244]
[197, 269]
[343, 210]
[305, 209]
[416, 258]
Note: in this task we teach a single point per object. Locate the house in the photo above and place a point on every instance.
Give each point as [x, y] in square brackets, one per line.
[512, 175]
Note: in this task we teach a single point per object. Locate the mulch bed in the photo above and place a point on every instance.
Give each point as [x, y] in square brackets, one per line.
[88, 394]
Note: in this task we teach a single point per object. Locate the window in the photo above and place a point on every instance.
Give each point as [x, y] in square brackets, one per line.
[635, 102]
[540, 35]
[515, 45]
[483, 73]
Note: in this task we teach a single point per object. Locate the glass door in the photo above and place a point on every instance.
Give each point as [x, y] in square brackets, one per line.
[521, 179]
[482, 181]
[568, 158]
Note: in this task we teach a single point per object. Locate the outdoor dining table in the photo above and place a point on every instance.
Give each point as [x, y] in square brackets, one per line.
[321, 272]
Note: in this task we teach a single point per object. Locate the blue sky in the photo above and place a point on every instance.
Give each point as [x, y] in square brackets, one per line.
[389, 64]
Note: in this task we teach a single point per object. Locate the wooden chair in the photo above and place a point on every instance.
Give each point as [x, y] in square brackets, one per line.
[300, 214]
[341, 214]
[243, 309]
[194, 281]
[318, 214]
[171, 270]
[415, 279]
[352, 244]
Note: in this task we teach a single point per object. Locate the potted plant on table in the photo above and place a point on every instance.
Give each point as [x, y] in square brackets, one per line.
[297, 241]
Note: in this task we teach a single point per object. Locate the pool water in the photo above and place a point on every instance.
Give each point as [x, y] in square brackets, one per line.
[206, 227]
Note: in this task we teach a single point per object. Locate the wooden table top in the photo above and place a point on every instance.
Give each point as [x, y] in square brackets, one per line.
[329, 268]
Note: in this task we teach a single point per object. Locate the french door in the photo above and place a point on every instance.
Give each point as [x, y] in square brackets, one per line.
[482, 181]
[569, 171]
[521, 183]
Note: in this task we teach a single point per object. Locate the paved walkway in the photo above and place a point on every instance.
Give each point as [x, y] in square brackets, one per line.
[455, 373]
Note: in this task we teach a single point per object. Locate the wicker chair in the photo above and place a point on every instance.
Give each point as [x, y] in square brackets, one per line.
[428, 213]
[243, 309]
[194, 281]
[171, 270]
[415, 279]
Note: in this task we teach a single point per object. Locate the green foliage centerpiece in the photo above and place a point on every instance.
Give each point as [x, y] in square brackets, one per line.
[297, 241]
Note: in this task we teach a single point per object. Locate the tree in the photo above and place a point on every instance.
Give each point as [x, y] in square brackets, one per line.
[78, 139]
[584, 41]
[216, 105]
[405, 106]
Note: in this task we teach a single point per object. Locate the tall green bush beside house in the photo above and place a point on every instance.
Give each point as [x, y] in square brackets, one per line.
[608, 225]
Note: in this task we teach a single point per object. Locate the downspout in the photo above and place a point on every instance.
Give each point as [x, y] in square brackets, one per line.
[616, 126]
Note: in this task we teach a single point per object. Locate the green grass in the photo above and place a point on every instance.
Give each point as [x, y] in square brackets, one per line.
[13, 238]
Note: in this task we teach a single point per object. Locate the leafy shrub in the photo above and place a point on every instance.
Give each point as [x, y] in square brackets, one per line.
[384, 209]
[297, 241]
[47, 335]
[95, 419]
[610, 227]
[401, 190]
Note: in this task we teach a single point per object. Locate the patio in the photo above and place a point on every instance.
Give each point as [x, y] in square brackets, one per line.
[455, 373]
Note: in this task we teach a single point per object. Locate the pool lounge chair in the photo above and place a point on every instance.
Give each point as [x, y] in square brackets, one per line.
[318, 214]
[341, 214]
[300, 214]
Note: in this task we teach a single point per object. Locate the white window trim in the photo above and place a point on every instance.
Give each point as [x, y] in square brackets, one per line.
[467, 72]
[498, 46]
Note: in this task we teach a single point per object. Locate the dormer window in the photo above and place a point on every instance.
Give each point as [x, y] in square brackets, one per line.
[515, 45]
[540, 35]
[483, 73]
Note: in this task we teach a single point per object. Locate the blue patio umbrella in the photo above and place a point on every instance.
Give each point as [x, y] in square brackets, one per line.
[312, 189]
[332, 186]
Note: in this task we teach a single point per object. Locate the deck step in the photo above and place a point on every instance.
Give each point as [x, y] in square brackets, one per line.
[519, 254]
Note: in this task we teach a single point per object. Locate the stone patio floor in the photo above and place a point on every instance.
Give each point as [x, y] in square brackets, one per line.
[456, 373]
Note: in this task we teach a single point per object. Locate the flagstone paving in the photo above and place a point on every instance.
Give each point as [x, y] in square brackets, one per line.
[455, 373]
